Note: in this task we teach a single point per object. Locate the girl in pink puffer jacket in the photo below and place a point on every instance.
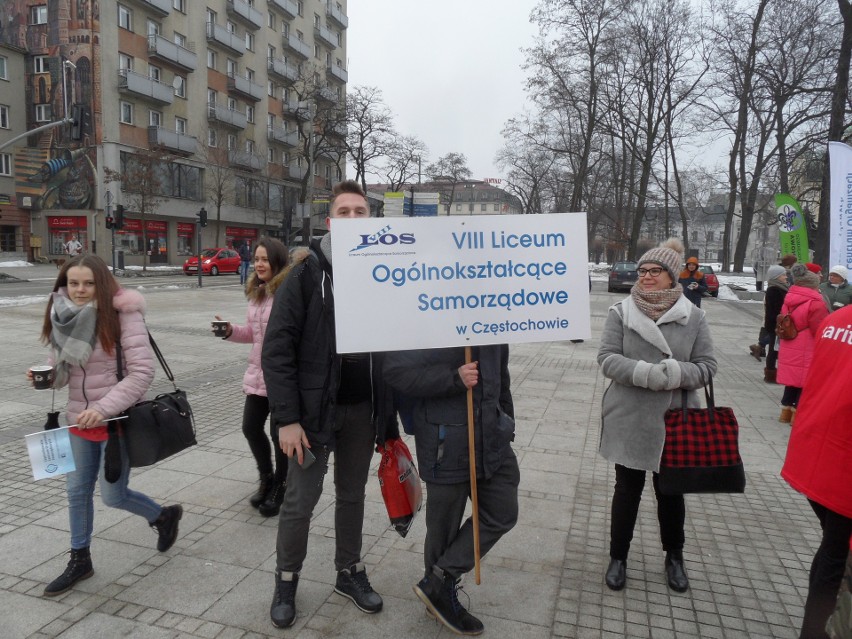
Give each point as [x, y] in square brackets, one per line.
[86, 315]
[271, 260]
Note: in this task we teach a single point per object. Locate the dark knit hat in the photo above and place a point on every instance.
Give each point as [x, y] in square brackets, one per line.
[802, 276]
[669, 255]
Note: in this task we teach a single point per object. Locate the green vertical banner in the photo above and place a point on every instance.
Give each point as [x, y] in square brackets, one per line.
[791, 225]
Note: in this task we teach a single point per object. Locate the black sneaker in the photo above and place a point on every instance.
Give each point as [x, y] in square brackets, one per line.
[166, 526]
[440, 594]
[353, 584]
[283, 608]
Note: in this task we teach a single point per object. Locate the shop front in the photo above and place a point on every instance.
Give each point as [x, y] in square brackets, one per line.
[185, 239]
[131, 240]
[236, 236]
[62, 229]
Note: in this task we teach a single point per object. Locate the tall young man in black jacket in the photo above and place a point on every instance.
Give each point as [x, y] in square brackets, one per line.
[438, 381]
[322, 402]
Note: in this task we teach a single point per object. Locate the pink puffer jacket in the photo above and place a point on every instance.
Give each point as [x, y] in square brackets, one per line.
[794, 355]
[96, 385]
[252, 333]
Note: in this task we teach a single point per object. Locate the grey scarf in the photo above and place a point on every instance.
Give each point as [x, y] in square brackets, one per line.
[73, 335]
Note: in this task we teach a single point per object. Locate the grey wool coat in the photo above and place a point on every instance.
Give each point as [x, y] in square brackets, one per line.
[639, 355]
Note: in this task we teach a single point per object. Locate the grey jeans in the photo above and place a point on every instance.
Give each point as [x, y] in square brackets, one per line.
[449, 543]
[353, 450]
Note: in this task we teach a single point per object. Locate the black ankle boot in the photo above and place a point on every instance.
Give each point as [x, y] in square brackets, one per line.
[283, 608]
[166, 526]
[616, 574]
[263, 489]
[439, 591]
[675, 571]
[79, 568]
[273, 501]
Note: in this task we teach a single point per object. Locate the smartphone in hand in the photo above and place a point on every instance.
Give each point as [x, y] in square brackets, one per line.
[308, 458]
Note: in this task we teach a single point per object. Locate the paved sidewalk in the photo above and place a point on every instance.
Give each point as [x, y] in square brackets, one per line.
[747, 555]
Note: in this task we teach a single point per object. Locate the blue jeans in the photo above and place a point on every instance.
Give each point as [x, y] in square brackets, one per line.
[244, 272]
[80, 485]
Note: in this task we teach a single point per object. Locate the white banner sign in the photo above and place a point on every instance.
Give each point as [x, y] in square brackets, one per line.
[407, 283]
[840, 227]
[50, 452]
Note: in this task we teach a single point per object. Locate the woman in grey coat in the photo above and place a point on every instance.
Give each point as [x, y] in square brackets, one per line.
[654, 343]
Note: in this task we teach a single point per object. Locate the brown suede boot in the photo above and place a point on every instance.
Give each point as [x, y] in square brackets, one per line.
[769, 375]
[756, 351]
[786, 415]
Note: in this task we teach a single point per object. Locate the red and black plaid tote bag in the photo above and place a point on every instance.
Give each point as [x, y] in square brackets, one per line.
[701, 452]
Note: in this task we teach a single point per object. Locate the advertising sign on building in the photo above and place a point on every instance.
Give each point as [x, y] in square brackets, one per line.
[411, 283]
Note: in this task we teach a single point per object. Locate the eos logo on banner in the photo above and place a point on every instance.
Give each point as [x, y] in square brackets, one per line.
[384, 237]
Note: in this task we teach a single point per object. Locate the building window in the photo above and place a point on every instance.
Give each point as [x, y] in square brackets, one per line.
[211, 137]
[5, 164]
[180, 125]
[285, 29]
[211, 59]
[270, 155]
[125, 18]
[41, 64]
[231, 27]
[709, 236]
[38, 14]
[249, 41]
[126, 112]
[496, 208]
[300, 8]
[270, 120]
[43, 113]
[4, 116]
[180, 86]
[317, 52]
[232, 141]
[3, 71]
[231, 67]
[155, 118]
[270, 20]
[153, 27]
[232, 104]
[125, 62]
[180, 5]
[250, 114]
[155, 73]
[180, 39]
[211, 97]
[250, 147]
[270, 88]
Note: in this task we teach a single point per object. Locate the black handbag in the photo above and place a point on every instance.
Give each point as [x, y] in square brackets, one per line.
[154, 429]
[701, 451]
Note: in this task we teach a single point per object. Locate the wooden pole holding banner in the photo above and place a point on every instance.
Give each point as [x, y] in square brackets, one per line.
[471, 444]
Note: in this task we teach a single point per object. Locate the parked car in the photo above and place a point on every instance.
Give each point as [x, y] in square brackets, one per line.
[213, 262]
[622, 276]
[711, 279]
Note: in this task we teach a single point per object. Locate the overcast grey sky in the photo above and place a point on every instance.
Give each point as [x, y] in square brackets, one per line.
[450, 70]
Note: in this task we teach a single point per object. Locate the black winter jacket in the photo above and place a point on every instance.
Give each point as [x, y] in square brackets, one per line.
[430, 377]
[300, 363]
[773, 300]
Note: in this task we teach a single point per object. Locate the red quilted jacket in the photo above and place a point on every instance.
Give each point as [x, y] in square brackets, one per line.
[794, 355]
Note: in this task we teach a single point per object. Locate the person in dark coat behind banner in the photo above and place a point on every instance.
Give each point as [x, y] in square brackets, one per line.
[819, 462]
[438, 380]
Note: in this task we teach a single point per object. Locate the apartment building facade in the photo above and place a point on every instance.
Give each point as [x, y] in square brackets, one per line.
[234, 106]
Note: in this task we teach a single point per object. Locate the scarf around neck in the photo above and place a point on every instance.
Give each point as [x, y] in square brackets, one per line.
[655, 303]
[73, 335]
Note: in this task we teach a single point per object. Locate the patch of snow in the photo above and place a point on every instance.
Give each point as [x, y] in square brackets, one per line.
[14, 264]
[22, 300]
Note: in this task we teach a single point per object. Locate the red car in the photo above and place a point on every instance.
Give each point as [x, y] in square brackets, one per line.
[711, 280]
[213, 262]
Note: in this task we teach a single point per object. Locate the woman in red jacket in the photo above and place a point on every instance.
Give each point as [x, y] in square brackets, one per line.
[805, 305]
[819, 462]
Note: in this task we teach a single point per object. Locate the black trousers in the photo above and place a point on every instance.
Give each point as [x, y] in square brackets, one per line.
[791, 396]
[826, 571]
[255, 412]
[671, 513]
[772, 354]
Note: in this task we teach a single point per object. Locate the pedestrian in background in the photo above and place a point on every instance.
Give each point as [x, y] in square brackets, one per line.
[245, 261]
[270, 268]
[836, 290]
[322, 402]
[806, 307]
[88, 316]
[438, 381]
[819, 463]
[654, 343]
[776, 290]
[692, 281]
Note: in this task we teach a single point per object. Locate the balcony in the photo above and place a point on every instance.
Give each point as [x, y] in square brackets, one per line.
[217, 34]
[337, 16]
[284, 70]
[297, 46]
[244, 160]
[282, 136]
[337, 73]
[327, 94]
[244, 87]
[326, 35]
[167, 51]
[296, 109]
[141, 86]
[289, 7]
[161, 7]
[226, 116]
[245, 13]
[340, 130]
[177, 142]
[297, 172]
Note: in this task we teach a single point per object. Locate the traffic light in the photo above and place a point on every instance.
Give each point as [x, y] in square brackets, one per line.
[109, 221]
[202, 217]
[118, 223]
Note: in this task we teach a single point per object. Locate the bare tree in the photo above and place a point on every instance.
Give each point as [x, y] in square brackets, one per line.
[448, 172]
[371, 132]
[403, 160]
[143, 176]
[528, 165]
[219, 175]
